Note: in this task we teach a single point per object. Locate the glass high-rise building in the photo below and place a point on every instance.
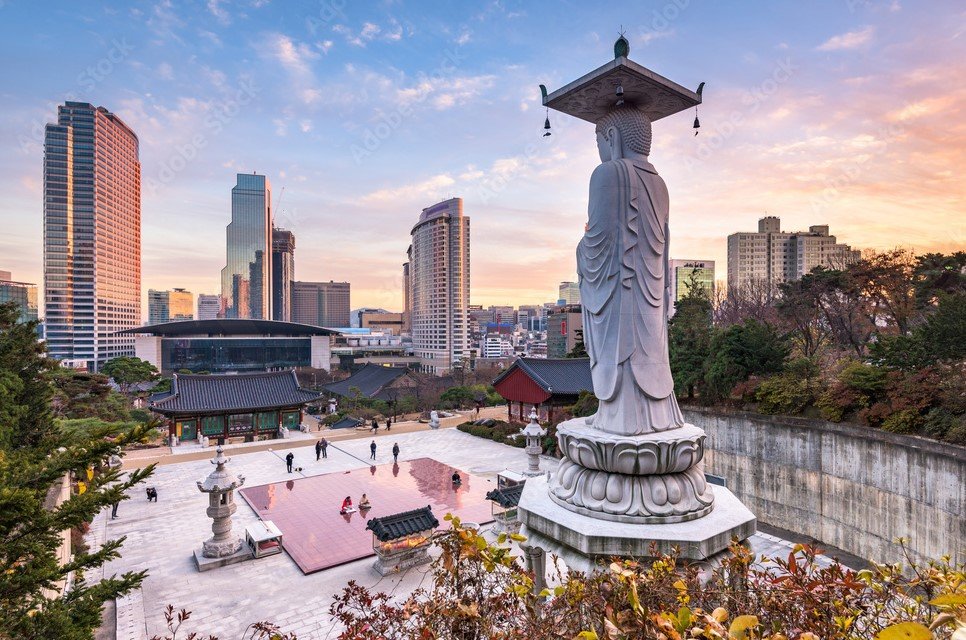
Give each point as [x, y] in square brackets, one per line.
[170, 306]
[92, 235]
[439, 287]
[683, 272]
[22, 293]
[246, 280]
[283, 273]
[569, 293]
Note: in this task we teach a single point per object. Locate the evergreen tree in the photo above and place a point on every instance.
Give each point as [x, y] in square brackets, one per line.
[35, 457]
[743, 350]
[128, 371]
[689, 338]
[580, 349]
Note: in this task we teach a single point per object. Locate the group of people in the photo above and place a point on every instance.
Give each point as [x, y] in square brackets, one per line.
[322, 451]
[395, 451]
[375, 424]
[364, 505]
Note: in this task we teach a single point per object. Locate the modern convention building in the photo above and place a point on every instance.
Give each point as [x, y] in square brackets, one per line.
[232, 346]
[243, 406]
[92, 235]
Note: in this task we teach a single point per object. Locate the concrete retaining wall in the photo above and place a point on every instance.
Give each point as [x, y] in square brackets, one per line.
[850, 487]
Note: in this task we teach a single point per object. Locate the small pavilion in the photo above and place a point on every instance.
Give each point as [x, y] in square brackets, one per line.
[233, 406]
[544, 383]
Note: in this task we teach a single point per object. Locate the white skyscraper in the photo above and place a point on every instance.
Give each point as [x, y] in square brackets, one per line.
[209, 305]
[439, 287]
[92, 235]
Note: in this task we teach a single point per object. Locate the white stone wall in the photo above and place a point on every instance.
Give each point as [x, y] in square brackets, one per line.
[852, 487]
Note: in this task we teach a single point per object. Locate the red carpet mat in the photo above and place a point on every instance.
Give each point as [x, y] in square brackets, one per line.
[317, 536]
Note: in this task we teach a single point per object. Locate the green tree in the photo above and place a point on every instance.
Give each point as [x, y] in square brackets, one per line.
[580, 349]
[35, 457]
[457, 397]
[689, 338]
[935, 274]
[800, 312]
[942, 337]
[79, 394]
[128, 371]
[743, 350]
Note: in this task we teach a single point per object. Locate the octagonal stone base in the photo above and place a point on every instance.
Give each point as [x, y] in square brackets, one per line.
[212, 548]
[593, 538]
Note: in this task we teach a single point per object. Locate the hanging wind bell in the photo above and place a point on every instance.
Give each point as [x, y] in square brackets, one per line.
[620, 95]
[697, 123]
[543, 100]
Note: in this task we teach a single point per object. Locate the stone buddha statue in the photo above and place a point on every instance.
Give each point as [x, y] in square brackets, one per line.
[622, 262]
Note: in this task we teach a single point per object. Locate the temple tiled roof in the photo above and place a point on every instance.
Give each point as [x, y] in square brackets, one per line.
[560, 376]
[506, 497]
[200, 394]
[347, 423]
[371, 380]
[403, 524]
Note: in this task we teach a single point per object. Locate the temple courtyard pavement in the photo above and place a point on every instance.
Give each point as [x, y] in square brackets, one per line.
[161, 536]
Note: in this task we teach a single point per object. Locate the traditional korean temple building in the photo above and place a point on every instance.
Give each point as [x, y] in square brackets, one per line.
[229, 406]
[376, 381]
[544, 383]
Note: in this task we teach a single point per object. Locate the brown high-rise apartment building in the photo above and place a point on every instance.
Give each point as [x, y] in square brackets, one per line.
[92, 235]
[322, 304]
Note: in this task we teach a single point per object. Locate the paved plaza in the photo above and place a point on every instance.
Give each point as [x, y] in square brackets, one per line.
[161, 537]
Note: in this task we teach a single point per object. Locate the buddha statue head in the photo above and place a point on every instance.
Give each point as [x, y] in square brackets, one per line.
[625, 132]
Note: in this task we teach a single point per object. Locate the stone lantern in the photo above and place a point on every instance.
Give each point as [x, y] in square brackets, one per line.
[220, 486]
[534, 433]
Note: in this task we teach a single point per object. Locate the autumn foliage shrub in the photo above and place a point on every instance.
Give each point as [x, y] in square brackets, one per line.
[479, 590]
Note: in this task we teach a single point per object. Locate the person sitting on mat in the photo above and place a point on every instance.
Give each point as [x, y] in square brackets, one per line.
[346, 505]
[364, 502]
[456, 478]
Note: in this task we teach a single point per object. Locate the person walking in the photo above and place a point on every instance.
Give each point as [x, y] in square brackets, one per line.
[318, 450]
[375, 425]
[114, 510]
[395, 452]
[324, 444]
[289, 459]
[372, 450]
[388, 423]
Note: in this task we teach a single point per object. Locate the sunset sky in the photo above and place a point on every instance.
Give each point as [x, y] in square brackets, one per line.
[846, 113]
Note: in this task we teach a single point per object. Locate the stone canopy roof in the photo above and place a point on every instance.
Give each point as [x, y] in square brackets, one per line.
[403, 524]
[557, 376]
[216, 394]
[507, 497]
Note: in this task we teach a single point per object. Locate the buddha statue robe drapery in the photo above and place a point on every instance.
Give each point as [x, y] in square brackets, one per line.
[622, 262]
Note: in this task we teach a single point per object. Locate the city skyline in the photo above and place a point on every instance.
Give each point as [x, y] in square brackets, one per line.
[840, 114]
